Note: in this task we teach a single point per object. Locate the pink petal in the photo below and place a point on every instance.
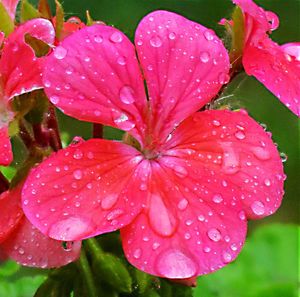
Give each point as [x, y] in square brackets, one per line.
[20, 68]
[257, 17]
[6, 155]
[184, 64]
[29, 247]
[217, 169]
[85, 190]
[278, 68]
[11, 6]
[11, 211]
[94, 76]
[2, 36]
[292, 49]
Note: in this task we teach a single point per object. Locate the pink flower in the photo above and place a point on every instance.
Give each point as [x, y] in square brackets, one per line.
[20, 72]
[183, 198]
[21, 241]
[10, 6]
[275, 66]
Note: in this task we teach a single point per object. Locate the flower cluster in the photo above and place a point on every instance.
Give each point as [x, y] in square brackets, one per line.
[184, 182]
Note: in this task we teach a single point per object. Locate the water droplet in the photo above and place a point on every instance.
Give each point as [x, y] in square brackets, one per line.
[161, 219]
[204, 57]
[78, 154]
[283, 157]
[137, 253]
[242, 215]
[77, 174]
[109, 201]
[60, 52]
[123, 122]
[21, 251]
[25, 202]
[172, 35]
[208, 35]
[116, 37]
[121, 60]
[174, 263]
[98, 38]
[217, 198]
[261, 153]
[214, 234]
[227, 257]
[114, 214]
[201, 218]
[67, 245]
[267, 182]
[223, 78]
[155, 245]
[156, 41]
[206, 249]
[54, 99]
[182, 204]
[180, 171]
[216, 123]
[258, 208]
[127, 95]
[240, 135]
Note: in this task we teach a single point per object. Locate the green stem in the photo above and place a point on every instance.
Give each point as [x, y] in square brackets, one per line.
[84, 267]
[93, 247]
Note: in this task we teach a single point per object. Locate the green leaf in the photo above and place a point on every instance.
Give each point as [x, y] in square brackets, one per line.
[28, 11]
[6, 23]
[59, 19]
[109, 268]
[44, 9]
[266, 267]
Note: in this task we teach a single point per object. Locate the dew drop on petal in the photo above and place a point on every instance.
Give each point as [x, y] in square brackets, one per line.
[227, 257]
[240, 135]
[121, 60]
[156, 41]
[182, 204]
[242, 215]
[127, 95]
[109, 201]
[258, 208]
[217, 198]
[78, 154]
[174, 263]
[204, 57]
[98, 38]
[180, 171]
[214, 234]
[60, 52]
[137, 253]
[116, 37]
[172, 36]
[208, 35]
[260, 153]
[77, 174]
[267, 182]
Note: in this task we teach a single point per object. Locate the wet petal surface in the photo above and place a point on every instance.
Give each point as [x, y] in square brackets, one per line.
[218, 169]
[184, 64]
[6, 155]
[29, 247]
[93, 75]
[85, 190]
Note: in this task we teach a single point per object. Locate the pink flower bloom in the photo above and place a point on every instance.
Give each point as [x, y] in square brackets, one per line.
[277, 67]
[21, 241]
[182, 200]
[20, 72]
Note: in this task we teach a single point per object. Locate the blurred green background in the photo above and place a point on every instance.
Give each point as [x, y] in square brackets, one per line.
[269, 264]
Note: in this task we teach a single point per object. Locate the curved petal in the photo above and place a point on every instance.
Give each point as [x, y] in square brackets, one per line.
[20, 68]
[29, 247]
[84, 190]
[11, 211]
[256, 17]
[277, 68]
[2, 36]
[11, 6]
[184, 64]
[6, 155]
[218, 168]
[94, 76]
[292, 49]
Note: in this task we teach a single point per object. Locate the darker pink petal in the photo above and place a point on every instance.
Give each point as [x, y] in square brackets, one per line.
[6, 155]
[184, 64]
[93, 75]
[278, 68]
[19, 67]
[2, 36]
[218, 169]
[11, 6]
[256, 17]
[11, 211]
[85, 190]
[29, 247]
